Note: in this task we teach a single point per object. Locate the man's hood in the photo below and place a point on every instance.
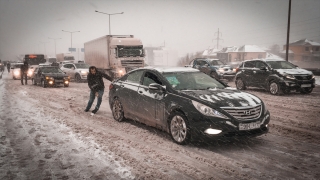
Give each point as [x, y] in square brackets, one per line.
[293, 71]
[228, 97]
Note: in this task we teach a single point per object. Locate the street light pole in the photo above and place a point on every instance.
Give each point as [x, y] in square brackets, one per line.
[55, 47]
[71, 34]
[44, 45]
[109, 18]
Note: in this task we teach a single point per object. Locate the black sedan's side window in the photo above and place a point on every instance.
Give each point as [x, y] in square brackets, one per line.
[135, 76]
[150, 78]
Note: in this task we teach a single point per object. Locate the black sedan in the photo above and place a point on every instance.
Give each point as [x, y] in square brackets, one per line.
[49, 76]
[187, 103]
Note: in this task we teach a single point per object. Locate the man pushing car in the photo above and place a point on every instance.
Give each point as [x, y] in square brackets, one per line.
[96, 85]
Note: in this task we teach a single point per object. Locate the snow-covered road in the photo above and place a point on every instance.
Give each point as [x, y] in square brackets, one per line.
[44, 134]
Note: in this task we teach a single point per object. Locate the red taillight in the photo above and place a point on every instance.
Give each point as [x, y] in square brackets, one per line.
[237, 69]
[111, 86]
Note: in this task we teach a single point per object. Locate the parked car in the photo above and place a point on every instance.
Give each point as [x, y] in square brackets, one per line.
[276, 76]
[15, 70]
[77, 71]
[215, 68]
[50, 76]
[187, 103]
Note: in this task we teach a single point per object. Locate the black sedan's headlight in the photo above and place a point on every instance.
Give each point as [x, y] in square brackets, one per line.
[208, 111]
[289, 76]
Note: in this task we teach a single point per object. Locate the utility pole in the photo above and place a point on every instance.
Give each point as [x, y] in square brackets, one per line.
[288, 32]
[218, 37]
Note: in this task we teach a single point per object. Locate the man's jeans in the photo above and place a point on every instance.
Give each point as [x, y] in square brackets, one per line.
[92, 97]
[24, 75]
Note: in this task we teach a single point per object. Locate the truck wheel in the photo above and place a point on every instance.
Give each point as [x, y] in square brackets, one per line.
[78, 78]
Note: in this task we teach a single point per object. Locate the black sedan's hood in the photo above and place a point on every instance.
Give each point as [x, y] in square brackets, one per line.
[228, 97]
[55, 74]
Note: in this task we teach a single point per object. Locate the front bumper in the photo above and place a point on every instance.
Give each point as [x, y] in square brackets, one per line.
[291, 85]
[228, 127]
[55, 82]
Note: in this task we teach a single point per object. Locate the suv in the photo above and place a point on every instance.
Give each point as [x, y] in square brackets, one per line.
[77, 71]
[277, 76]
[215, 68]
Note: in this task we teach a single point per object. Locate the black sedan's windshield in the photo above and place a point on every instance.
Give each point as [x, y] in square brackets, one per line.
[281, 65]
[51, 70]
[82, 66]
[191, 81]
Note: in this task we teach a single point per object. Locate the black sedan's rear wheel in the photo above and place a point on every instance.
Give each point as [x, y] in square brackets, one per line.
[240, 84]
[179, 129]
[117, 110]
[306, 90]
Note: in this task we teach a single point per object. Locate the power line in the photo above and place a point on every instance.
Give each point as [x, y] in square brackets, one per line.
[218, 38]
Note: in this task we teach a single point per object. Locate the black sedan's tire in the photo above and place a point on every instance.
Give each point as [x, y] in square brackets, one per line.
[240, 84]
[43, 84]
[306, 90]
[117, 110]
[77, 78]
[179, 129]
[274, 88]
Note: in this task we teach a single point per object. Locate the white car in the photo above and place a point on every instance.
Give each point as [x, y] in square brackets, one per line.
[15, 70]
[76, 71]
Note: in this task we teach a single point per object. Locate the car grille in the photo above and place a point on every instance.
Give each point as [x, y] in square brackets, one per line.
[58, 78]
[134, 63]
[303, 77]
[245, 113]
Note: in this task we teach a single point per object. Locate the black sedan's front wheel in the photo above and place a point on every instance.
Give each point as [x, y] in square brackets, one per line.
[117, 110]
[274, 88]
[43, 84]
[179, 129]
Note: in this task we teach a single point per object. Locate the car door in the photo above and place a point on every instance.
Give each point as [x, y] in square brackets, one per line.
[67, 68]
[203, 66]
[151, 101]
[128, 93]
[260, 76]
[72, 70]
[247, 71]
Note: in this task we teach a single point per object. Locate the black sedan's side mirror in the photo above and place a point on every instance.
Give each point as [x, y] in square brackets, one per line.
[155, 86]
[263, 68]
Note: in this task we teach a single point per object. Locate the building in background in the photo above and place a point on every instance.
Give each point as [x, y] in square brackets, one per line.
[302, 50]
[210, 53]
[245, 52]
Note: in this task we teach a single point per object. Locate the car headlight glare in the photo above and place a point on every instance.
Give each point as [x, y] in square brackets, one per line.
[83, 72]
[207, 111]
[289, 76]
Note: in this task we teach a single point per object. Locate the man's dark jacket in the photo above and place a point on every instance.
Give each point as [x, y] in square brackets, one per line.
[24, 68]
[95, 81]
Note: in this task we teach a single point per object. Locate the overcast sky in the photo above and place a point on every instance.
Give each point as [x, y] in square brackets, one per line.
[187, 26]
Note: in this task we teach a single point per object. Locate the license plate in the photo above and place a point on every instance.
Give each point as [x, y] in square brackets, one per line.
[59, 80]
[305, 85]
[249, 126]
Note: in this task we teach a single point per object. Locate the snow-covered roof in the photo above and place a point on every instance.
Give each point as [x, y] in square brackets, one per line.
[303, 42]
[284, 51]
[210, 52]
[173, 69]
[244, 48]
[250, 48]
[273, 56]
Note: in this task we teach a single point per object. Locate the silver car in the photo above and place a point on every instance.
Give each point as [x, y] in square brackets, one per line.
[76, 71]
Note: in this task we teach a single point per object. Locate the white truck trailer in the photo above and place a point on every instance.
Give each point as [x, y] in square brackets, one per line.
[115, 54]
